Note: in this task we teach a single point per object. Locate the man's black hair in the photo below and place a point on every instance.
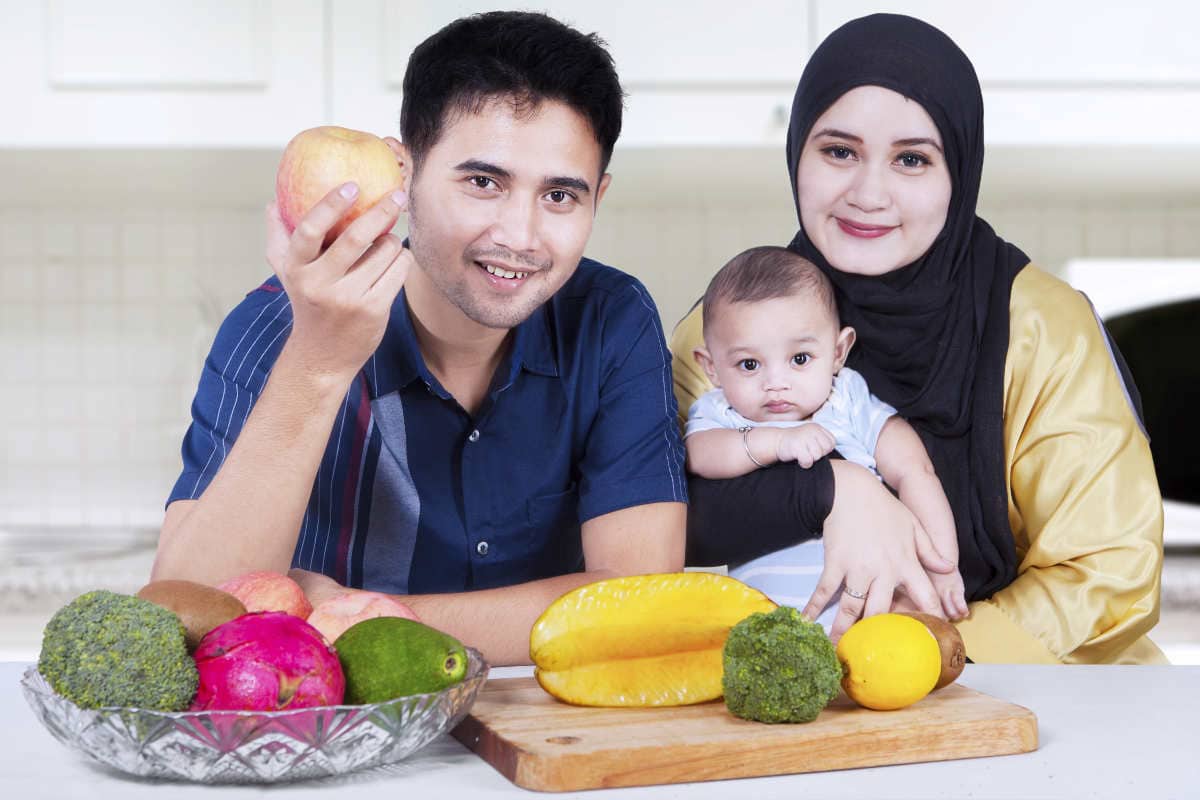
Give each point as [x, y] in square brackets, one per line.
[523, 58]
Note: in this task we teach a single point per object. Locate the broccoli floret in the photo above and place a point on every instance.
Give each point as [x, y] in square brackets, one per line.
[108, 649]
[779, 667]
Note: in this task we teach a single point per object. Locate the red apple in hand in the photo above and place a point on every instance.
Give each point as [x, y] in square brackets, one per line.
[319, 160]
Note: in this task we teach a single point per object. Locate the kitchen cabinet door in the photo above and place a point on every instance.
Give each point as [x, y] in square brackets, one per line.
[1075, 72]
[705, 73]
[123, 73]
[1032, 42]
[700, 74]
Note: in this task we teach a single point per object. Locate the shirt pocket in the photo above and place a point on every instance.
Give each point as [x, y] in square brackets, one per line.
[554, 532]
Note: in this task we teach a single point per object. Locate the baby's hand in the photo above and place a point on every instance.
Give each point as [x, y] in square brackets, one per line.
[806, 445]
[950, 592]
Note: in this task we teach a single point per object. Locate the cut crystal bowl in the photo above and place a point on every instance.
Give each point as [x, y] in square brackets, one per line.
[254, 746]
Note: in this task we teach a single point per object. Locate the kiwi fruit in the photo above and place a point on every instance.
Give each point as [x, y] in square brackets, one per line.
[200, 608]
[954, 654]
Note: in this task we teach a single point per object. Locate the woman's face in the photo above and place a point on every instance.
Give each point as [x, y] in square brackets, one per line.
[873, 183]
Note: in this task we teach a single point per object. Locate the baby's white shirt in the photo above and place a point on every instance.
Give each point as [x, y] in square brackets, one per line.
[853, 415]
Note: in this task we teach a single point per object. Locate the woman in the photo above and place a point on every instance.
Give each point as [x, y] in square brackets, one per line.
[1003, 370]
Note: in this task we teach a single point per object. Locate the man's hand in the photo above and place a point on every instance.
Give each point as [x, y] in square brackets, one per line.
[806, 444]
[341, 298]
[317, 587]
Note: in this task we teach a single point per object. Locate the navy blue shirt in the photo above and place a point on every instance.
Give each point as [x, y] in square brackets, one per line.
[415, 495]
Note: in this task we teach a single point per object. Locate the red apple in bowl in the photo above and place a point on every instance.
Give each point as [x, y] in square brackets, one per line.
[319, 160]
[269, 591]
[338, 613]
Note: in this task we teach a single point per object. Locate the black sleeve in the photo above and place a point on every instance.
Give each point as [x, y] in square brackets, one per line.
[734, 520]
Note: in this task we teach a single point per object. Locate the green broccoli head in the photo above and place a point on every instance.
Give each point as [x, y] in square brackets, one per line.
[108, 649]
[779, 667]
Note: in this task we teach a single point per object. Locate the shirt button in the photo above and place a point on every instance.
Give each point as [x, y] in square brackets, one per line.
[482, 548]
[474, 437]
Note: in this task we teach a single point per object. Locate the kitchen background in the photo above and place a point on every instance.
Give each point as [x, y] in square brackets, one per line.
[140, 140]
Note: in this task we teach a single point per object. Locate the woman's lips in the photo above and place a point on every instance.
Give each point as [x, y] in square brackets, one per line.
[864, 231]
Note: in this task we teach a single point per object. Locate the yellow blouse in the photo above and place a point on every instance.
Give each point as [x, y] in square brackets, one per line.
[1083, 500]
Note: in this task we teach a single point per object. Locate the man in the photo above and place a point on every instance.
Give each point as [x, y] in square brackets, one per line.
[474, 440]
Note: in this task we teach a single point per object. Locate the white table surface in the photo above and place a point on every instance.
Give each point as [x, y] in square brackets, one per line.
[1119, 732]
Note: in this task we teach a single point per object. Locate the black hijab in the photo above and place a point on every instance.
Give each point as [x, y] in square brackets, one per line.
[932, 335]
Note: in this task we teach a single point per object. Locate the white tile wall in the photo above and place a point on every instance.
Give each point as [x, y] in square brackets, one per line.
[676, 252]
[106, 316]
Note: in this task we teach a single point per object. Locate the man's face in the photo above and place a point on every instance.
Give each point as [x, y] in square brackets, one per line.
[502, 207]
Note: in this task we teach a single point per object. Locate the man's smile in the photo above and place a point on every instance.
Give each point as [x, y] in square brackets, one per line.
[502, 271]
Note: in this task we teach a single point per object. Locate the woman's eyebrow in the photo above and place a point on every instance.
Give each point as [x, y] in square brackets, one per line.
[917, 141]
[913, 142]
[835, 133]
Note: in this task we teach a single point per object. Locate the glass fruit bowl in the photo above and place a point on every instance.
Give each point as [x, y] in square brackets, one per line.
[254, 746]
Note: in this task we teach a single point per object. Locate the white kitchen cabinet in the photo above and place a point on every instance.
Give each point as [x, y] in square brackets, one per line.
[1075, 73]
[704, 74]
[128, 73]
[1067, 42]
[691, 78]
[369, 45]
[251, 73]
[1068, 73]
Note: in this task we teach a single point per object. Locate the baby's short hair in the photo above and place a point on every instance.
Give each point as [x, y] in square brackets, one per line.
[765, 273]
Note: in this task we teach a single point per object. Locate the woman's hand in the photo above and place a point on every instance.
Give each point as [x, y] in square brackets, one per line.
[873, 544]
[902, 603]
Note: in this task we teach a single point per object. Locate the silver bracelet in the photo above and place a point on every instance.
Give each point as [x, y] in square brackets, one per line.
[746, 444]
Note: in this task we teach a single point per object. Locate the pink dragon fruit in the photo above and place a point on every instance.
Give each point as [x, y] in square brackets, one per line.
[267, 661]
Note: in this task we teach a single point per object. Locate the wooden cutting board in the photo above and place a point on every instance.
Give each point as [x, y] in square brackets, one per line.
[539, 743]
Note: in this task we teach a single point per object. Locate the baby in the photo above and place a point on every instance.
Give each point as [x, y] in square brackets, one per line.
[775, 349]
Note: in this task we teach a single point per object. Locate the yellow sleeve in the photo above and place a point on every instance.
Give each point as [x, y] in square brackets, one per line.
[690, 380]
[1083, 500]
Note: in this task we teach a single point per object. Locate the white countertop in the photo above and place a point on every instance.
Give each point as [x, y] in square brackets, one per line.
[1116, 732]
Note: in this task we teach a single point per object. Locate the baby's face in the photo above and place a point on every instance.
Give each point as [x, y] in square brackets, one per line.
[775, 359]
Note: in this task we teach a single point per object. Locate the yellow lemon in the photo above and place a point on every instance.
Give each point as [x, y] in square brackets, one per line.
[642, 640]
[889, 661]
